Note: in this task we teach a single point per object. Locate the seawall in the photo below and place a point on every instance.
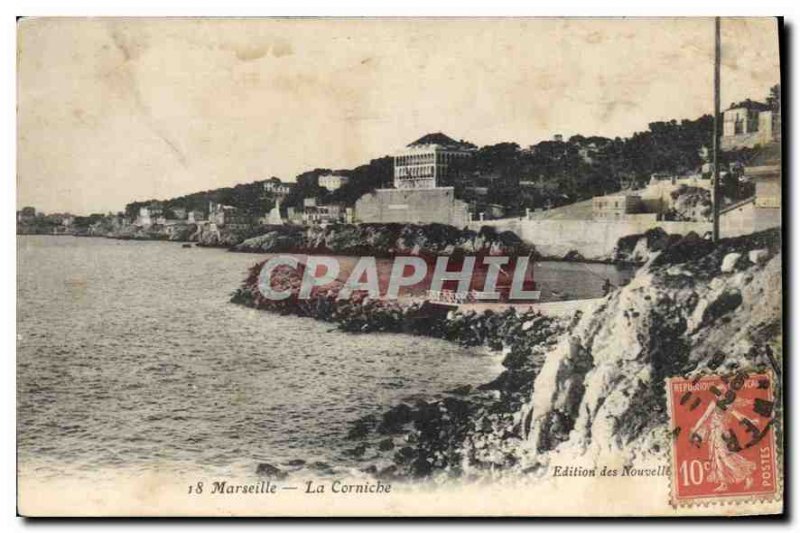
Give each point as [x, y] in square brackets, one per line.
[592, 239]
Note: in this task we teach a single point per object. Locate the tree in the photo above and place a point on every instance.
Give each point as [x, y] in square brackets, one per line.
[774, 98]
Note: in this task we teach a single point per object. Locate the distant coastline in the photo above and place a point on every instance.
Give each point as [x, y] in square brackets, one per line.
[377, 239]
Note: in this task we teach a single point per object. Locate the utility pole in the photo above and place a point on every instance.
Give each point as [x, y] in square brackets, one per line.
[715, 179]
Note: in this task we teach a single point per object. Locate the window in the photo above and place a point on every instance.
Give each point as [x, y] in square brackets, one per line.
[752, 121]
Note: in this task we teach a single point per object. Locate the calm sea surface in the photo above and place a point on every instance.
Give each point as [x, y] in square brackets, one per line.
[129, 356]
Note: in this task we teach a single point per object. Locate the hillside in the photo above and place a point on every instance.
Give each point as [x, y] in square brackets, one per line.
[249, 197]
[548, 174]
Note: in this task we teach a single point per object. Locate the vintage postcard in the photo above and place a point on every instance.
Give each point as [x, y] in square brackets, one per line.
[397, 267]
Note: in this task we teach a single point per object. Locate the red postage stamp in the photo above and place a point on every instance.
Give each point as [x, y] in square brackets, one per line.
[723, 438]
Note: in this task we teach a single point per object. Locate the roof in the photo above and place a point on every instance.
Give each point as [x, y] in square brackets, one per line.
[620, 194]
[435, 138]
[750, 104]
[730, 207]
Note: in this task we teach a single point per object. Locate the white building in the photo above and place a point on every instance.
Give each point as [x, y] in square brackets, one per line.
[194, 216]
[413, 206]
[276, 186]
[616, 206]
[748, 124]
[229, 216]
[429, 162]
[762, 210]
[315, 213]
[332, 181]
[150, 214]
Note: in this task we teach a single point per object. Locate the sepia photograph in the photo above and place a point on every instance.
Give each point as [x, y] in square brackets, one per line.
[399, 267]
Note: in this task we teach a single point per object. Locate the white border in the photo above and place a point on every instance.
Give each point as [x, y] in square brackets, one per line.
[326, 8]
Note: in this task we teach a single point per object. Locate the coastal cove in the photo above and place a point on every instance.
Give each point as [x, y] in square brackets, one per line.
[535, 403]
[439, 432]
[188, 374]
[130, 354]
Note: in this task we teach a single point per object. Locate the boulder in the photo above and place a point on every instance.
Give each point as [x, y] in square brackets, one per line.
[320, 466]
[726, 302]
[394, 419]
[356, 452]
[421, 468]
[390, 472]
[690, 247]
[361, 428]
[405, 455]
[729, 262]
[656, 239]
[268, 470]
[758, 257]
[386, 445]
[463, 390]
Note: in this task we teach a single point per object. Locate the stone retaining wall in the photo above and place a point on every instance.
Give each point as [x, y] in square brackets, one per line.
[592, 239]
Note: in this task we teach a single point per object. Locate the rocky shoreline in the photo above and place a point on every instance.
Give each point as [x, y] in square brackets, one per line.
[379, 240]
[414, 440]
[568, 382]
[382, 240]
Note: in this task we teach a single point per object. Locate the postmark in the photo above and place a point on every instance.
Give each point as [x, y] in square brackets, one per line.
[723, 438]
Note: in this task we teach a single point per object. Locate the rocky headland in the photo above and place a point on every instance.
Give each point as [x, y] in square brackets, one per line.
[383, 240]
[587, 386]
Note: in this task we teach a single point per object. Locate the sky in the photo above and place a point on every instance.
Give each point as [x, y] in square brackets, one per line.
[116, 110]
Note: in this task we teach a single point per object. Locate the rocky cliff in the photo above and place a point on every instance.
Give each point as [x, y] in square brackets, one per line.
[595, 387]
[693, 307]
[691, 203]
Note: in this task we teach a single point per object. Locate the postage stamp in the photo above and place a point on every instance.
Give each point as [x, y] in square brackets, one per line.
[723, 445]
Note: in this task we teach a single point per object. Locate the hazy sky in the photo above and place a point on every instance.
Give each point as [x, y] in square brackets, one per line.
[116, 110]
